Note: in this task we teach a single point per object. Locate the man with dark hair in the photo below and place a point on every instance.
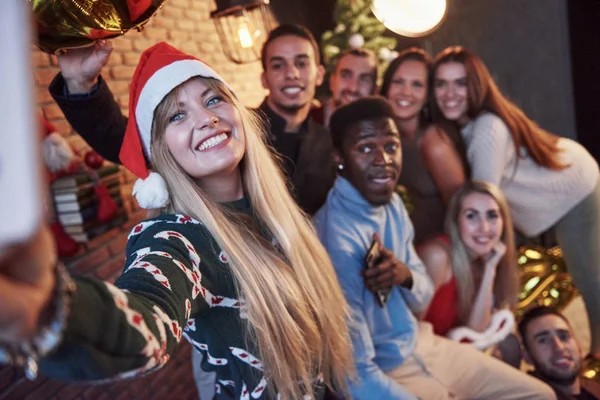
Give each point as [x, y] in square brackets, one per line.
[552, 349]
[353, 76]
[364, 222]
[290, 30]
[291, 73]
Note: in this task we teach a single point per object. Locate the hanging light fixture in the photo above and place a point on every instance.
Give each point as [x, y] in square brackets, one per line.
[243, 27]
[412, 18]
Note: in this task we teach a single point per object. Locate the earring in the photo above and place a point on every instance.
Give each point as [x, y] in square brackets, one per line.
[340, 167]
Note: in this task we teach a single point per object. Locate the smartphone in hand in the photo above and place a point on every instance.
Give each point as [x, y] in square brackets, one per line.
[20, 184]
[371, 259]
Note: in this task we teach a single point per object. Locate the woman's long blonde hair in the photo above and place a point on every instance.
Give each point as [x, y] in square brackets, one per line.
[296, 310]
[506, 283]
[484, 95]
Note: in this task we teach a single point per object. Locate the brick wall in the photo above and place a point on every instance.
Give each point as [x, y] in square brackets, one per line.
[186, 25]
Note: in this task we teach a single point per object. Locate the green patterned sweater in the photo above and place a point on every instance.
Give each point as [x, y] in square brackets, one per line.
[176, 282]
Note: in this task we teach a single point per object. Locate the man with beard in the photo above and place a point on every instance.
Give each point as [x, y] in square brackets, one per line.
[555, 353]
[364, 222]
[354, 76]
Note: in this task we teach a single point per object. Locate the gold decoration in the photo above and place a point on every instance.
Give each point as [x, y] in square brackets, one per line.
[591, 369]
[544, 279]
[65, 24]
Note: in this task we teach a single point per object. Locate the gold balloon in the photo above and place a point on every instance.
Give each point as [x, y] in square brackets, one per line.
[544, 279]
[65, 24]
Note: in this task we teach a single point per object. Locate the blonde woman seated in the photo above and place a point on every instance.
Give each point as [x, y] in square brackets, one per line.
[477, 286]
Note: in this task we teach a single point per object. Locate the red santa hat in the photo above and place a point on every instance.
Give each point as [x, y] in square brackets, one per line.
[161, 69]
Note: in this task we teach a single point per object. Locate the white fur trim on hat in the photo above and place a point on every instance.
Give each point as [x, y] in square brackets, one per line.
[58, 155]
[502, 323]
[151, 192]
[159, 85]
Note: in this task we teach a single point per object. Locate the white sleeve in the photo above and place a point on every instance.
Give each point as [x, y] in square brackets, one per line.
[490, 148]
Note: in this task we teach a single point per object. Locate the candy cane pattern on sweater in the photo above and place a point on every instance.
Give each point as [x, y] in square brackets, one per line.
[153, 350]
[188, 308]
[203, 347]
[153, 270]
[245, 393]
[142, 226]
[184, 219]
[188, 311]
[194, 257]
[223, 257]
[255, 363]
[141, 252]
[247, 358]
[259, 389]
[173, 325]
[140, 262]
[195, 276]
[221, 382]
[190, 325]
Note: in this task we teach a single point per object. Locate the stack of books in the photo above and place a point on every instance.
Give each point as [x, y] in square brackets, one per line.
[76, 204]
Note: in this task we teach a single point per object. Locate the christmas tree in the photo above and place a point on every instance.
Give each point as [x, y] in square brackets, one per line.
[356, 27]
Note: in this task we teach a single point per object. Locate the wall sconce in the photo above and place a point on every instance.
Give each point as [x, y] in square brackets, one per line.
[243, 27]
[412, 18]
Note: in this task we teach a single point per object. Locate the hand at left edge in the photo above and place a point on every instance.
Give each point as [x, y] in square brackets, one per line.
[26, 284]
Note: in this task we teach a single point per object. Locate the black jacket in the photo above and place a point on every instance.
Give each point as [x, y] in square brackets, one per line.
[313, 170]
[97, 118]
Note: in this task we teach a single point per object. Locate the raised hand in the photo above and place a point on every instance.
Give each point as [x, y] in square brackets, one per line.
[81, 67]
[386, 272]
[492, 259]
[26, 284]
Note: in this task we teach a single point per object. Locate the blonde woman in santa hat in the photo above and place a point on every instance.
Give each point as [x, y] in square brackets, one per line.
[230, 262]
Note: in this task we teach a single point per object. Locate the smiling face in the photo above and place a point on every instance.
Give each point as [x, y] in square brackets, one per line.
[407, 93]
[291, 74]
[480, 224]
[353, 78]
[372, 158]
[204, 132]
[450, 91]
[552, 349]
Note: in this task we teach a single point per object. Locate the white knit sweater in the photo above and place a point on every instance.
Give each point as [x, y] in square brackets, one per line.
[538, 197]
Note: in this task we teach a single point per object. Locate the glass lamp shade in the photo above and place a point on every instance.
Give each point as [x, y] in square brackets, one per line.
[411, 18]
[243, 27]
